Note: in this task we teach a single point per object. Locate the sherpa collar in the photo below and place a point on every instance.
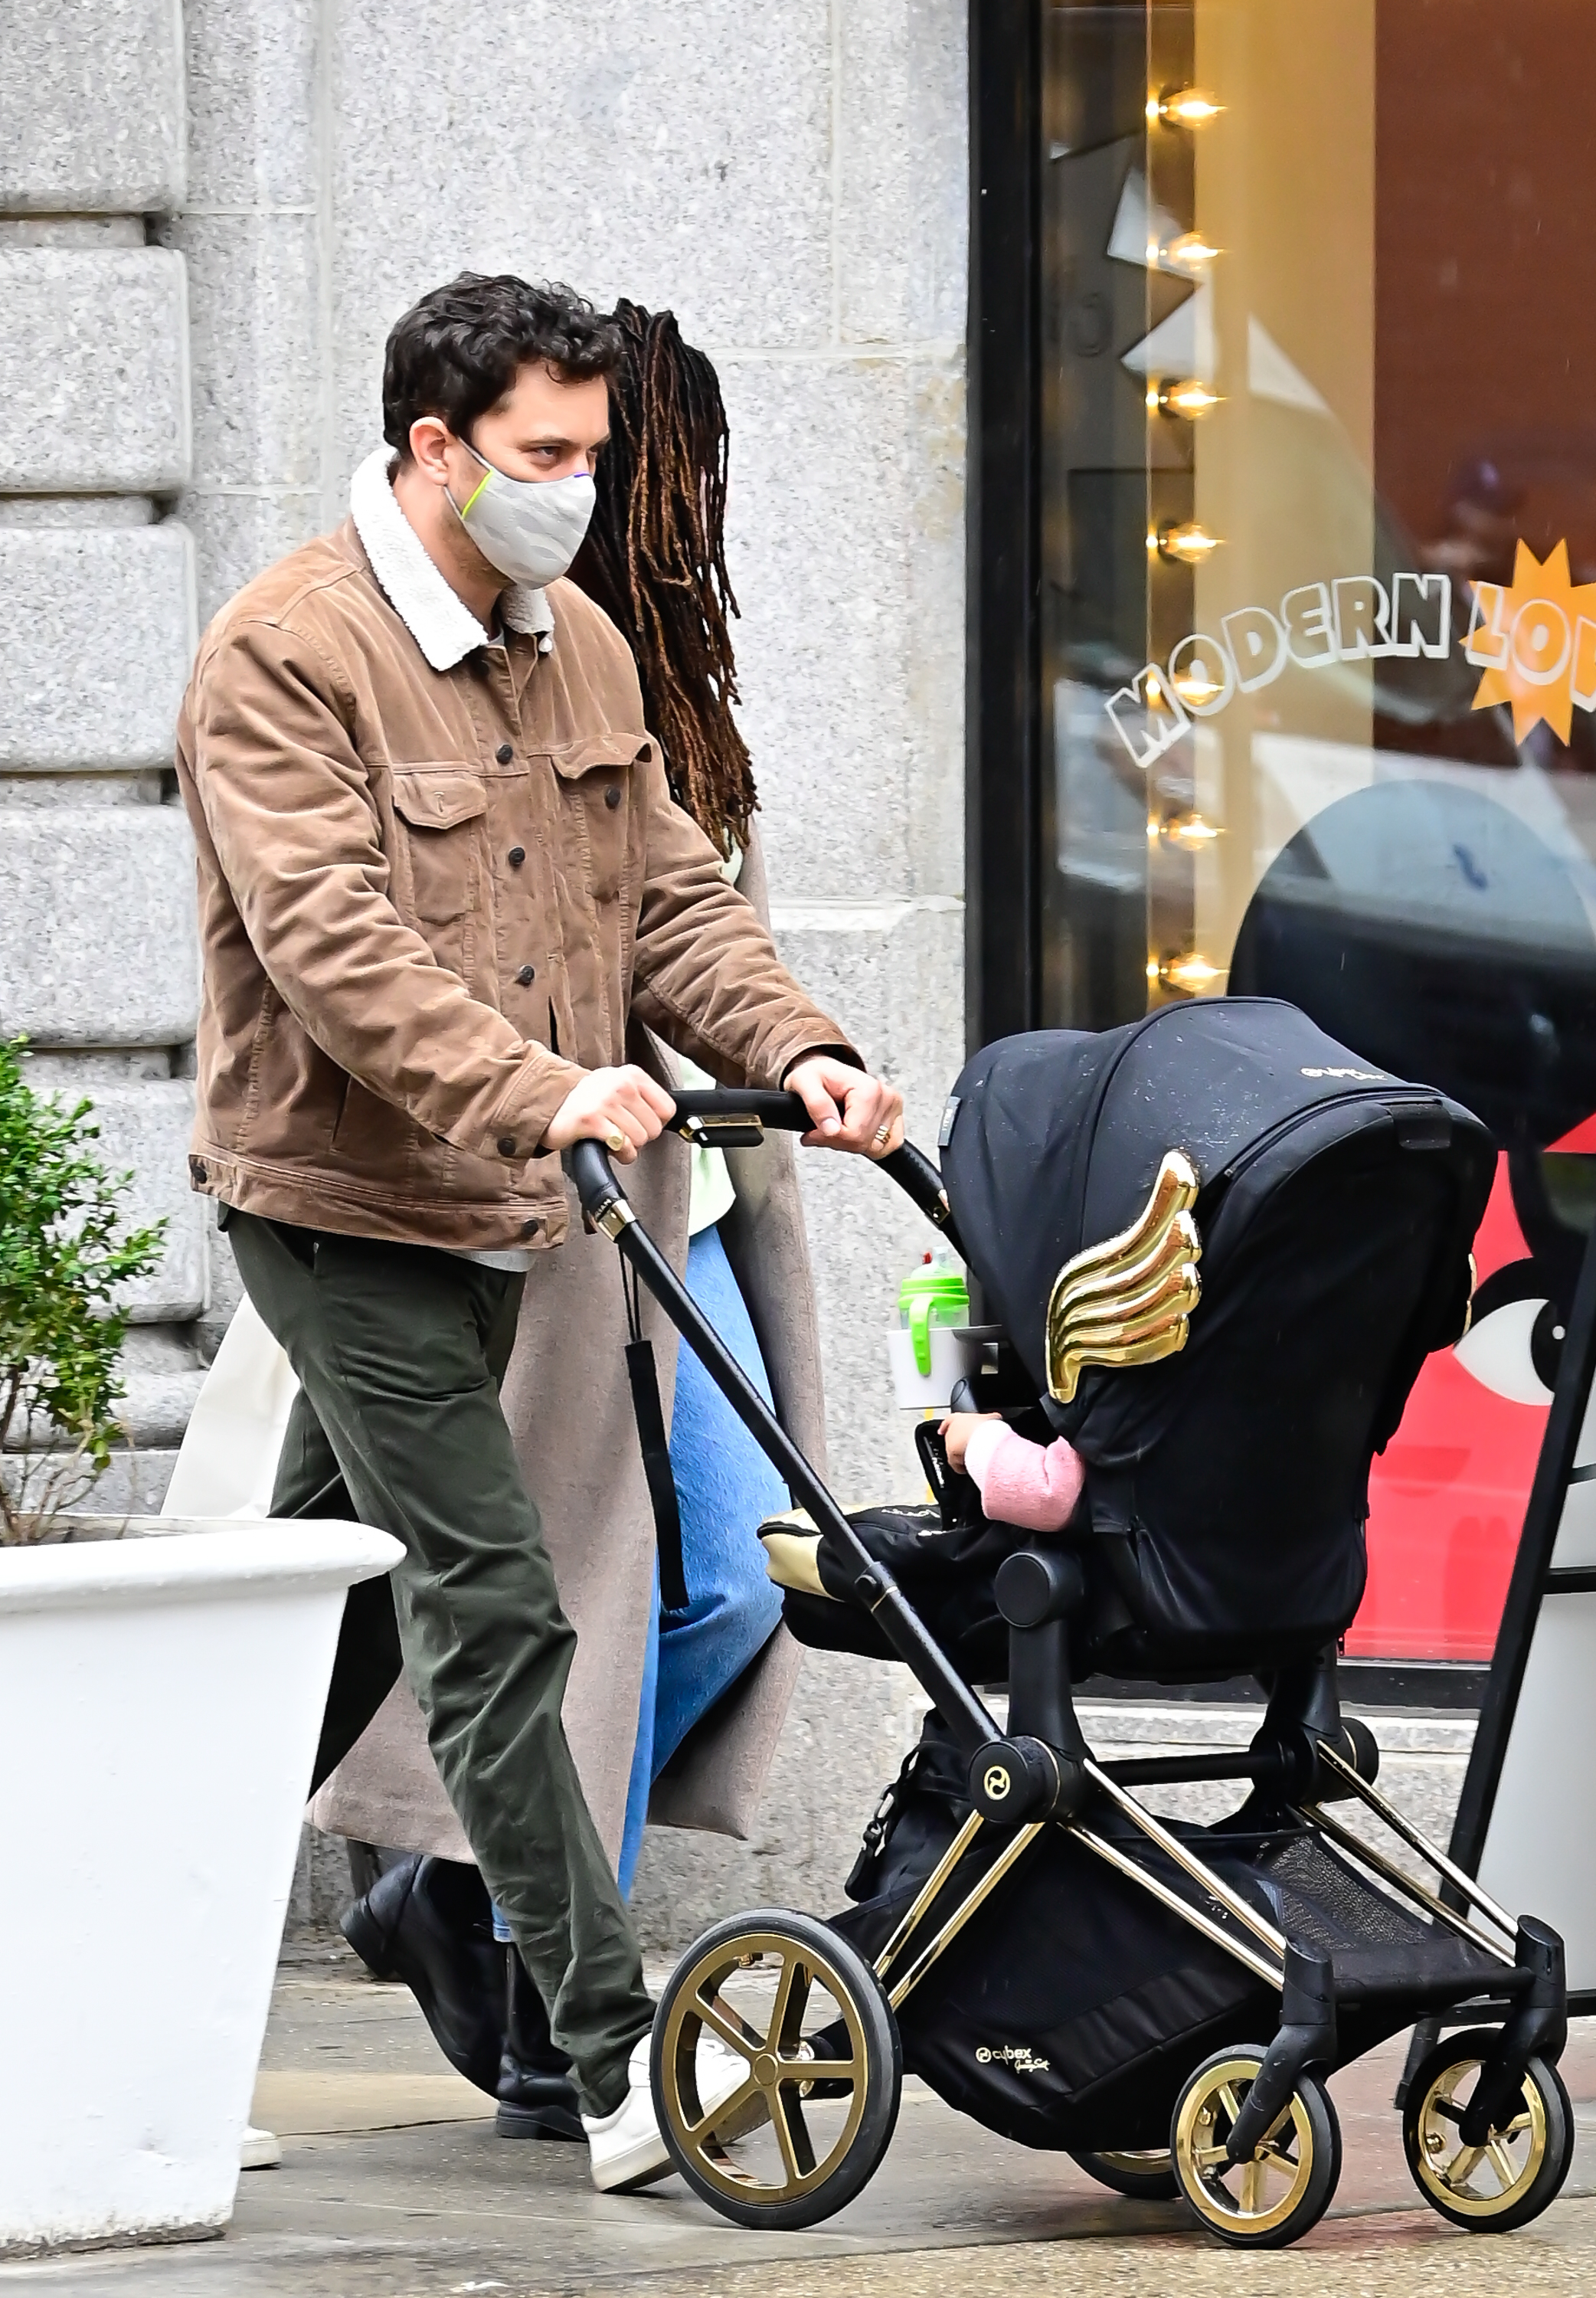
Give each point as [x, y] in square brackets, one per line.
[434, 613]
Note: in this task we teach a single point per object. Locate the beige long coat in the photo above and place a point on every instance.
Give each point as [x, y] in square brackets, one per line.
[569, 1408]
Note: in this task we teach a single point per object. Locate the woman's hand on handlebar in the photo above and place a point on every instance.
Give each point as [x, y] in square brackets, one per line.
[851, 1110]
[622, 1108]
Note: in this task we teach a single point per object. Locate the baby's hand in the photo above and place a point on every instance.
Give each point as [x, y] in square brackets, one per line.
[956, 1431]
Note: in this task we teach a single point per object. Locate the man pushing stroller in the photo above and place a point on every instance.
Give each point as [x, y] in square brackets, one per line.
[438, 868]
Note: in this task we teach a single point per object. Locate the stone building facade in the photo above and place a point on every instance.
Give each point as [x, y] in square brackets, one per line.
[211, 211]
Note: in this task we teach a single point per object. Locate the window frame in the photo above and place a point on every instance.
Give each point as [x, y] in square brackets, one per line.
[1002, 685]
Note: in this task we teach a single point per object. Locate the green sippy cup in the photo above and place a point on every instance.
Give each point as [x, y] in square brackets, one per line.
[935, 1294]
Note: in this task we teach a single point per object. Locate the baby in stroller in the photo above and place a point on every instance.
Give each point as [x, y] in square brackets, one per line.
[1034, 1487]
[1215, 1249]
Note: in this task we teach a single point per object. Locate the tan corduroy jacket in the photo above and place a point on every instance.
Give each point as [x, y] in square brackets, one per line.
[427, 895]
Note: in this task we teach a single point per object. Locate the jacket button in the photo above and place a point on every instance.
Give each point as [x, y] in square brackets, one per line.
[516, 857]
[531, 1228]
[612, 797]
[527, 976]
[507, 1144]
[504, 754]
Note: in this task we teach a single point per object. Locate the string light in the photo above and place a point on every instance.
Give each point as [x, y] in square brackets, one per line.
[1189, 253]
[1191, 975]
[1191, 399]
[1188, 542]
[1159, 692]
[1183, 107]
[1195, 687]
[1188, 830]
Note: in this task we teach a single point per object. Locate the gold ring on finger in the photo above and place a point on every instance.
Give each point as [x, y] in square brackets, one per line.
[615, 1141]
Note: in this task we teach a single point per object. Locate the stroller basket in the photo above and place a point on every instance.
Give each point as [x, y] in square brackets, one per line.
[1054, 1959]
[1105, 1995]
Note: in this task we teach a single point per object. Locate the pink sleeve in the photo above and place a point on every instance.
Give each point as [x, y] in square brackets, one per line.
[1030, 1485]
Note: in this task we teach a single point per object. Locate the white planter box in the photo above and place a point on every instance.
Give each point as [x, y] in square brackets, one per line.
[160, 1698]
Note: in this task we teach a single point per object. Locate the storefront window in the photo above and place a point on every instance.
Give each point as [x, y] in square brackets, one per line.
[1317, 617]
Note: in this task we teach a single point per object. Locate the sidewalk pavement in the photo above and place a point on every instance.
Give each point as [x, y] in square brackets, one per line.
[394, 2186]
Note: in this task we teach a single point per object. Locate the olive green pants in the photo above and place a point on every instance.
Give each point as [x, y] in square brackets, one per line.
[398, 1352]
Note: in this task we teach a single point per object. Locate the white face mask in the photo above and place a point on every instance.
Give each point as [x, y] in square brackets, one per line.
[528, 529]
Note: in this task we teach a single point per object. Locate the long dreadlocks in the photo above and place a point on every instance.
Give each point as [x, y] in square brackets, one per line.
[655, 560]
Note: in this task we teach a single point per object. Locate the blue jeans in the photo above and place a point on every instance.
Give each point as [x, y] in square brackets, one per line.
[725, 1488]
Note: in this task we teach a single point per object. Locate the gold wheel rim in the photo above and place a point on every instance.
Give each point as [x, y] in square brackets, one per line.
[1253, 2197]
[781, 2069]
[1137, 2161]
[1479, 2182]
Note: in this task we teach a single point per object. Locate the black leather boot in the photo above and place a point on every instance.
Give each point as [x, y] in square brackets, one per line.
[428, 1922]
[537, 2098]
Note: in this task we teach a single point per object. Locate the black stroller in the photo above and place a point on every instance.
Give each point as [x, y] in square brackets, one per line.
[1215, 1248]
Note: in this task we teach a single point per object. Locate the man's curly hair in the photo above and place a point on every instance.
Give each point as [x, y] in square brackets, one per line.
[457, 353]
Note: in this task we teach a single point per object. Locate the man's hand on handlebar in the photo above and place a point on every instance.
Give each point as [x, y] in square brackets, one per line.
[622, 1108]
[851, 1110]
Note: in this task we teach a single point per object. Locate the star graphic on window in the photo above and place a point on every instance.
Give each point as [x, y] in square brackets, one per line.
[1536, 640]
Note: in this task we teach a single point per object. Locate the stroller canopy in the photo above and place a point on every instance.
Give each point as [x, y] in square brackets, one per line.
[1056, 1137]
[1335, 1209]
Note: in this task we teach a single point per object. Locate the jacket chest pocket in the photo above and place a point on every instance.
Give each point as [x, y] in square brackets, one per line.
[594, 781]
[439, 863]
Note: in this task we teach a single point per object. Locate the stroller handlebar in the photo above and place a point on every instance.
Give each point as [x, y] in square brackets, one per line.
[920, 1181]
[606, 1205]
[713, 1111]
[589, 1166]
[735, 1117]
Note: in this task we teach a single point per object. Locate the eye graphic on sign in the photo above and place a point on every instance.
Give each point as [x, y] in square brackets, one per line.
[1506, 1349]
[1515, 1337]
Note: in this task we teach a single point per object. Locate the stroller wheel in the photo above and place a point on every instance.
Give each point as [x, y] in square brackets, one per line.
[1286, 2188]
[1509, 2180]
[803, 2128]
[1142, 2172]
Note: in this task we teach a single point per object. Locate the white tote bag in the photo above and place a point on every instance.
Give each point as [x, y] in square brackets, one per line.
[229, 1455]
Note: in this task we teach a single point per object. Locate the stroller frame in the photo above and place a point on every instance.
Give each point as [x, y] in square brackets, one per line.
[1039, 1770]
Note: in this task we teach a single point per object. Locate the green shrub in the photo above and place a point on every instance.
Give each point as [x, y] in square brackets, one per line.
[63, 1254]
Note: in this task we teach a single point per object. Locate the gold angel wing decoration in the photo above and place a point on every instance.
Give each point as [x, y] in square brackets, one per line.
[1126, 1302]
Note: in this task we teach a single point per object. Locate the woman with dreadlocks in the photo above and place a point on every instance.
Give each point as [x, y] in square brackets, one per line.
[672, 1714]
[655, 560]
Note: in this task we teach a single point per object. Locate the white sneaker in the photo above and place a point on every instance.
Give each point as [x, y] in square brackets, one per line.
[625, 2149]
[259, 2150]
